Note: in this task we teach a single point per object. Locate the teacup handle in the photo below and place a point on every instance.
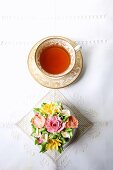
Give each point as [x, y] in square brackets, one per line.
[77, 48]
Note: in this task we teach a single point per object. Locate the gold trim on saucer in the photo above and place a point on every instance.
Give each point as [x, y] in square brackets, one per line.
[52, 82]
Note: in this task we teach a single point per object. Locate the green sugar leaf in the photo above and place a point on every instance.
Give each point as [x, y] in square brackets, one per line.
[63, 140]
[60, 149]
[43, 114]
[68, 129]
[43, 104]
[36, 142]
[43, 147]
[71, 134]
[33, 128]
[65, 118]
[36, 110]
[43, 130]
[55, 135]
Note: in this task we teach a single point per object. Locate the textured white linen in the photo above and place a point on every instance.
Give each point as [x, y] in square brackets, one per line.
[90, 23]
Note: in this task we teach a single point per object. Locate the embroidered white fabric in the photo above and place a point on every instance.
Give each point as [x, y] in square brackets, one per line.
[22, 24]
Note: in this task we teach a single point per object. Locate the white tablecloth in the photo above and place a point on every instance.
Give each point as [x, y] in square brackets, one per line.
[22, 24]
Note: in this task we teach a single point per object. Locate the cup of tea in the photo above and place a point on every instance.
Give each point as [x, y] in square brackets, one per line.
[56, 56]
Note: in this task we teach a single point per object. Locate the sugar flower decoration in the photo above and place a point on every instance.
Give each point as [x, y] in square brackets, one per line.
[52, 126]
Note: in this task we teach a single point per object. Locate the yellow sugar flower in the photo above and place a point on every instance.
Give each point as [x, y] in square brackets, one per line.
[50, 108]
[53, 144]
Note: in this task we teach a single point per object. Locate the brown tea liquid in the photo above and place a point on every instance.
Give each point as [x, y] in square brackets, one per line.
[54, 59]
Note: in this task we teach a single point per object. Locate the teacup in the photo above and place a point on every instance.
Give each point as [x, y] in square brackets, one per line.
[56, 53]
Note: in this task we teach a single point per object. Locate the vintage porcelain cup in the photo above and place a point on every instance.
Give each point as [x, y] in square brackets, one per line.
[63, 42]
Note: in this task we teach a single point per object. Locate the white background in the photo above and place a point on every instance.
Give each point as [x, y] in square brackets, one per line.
[22, 24]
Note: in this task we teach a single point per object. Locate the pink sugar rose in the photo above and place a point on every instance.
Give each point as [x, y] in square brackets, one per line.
[38, 121]
[54, 124]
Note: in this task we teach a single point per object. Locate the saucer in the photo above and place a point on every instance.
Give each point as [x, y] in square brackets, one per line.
[52, 82]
